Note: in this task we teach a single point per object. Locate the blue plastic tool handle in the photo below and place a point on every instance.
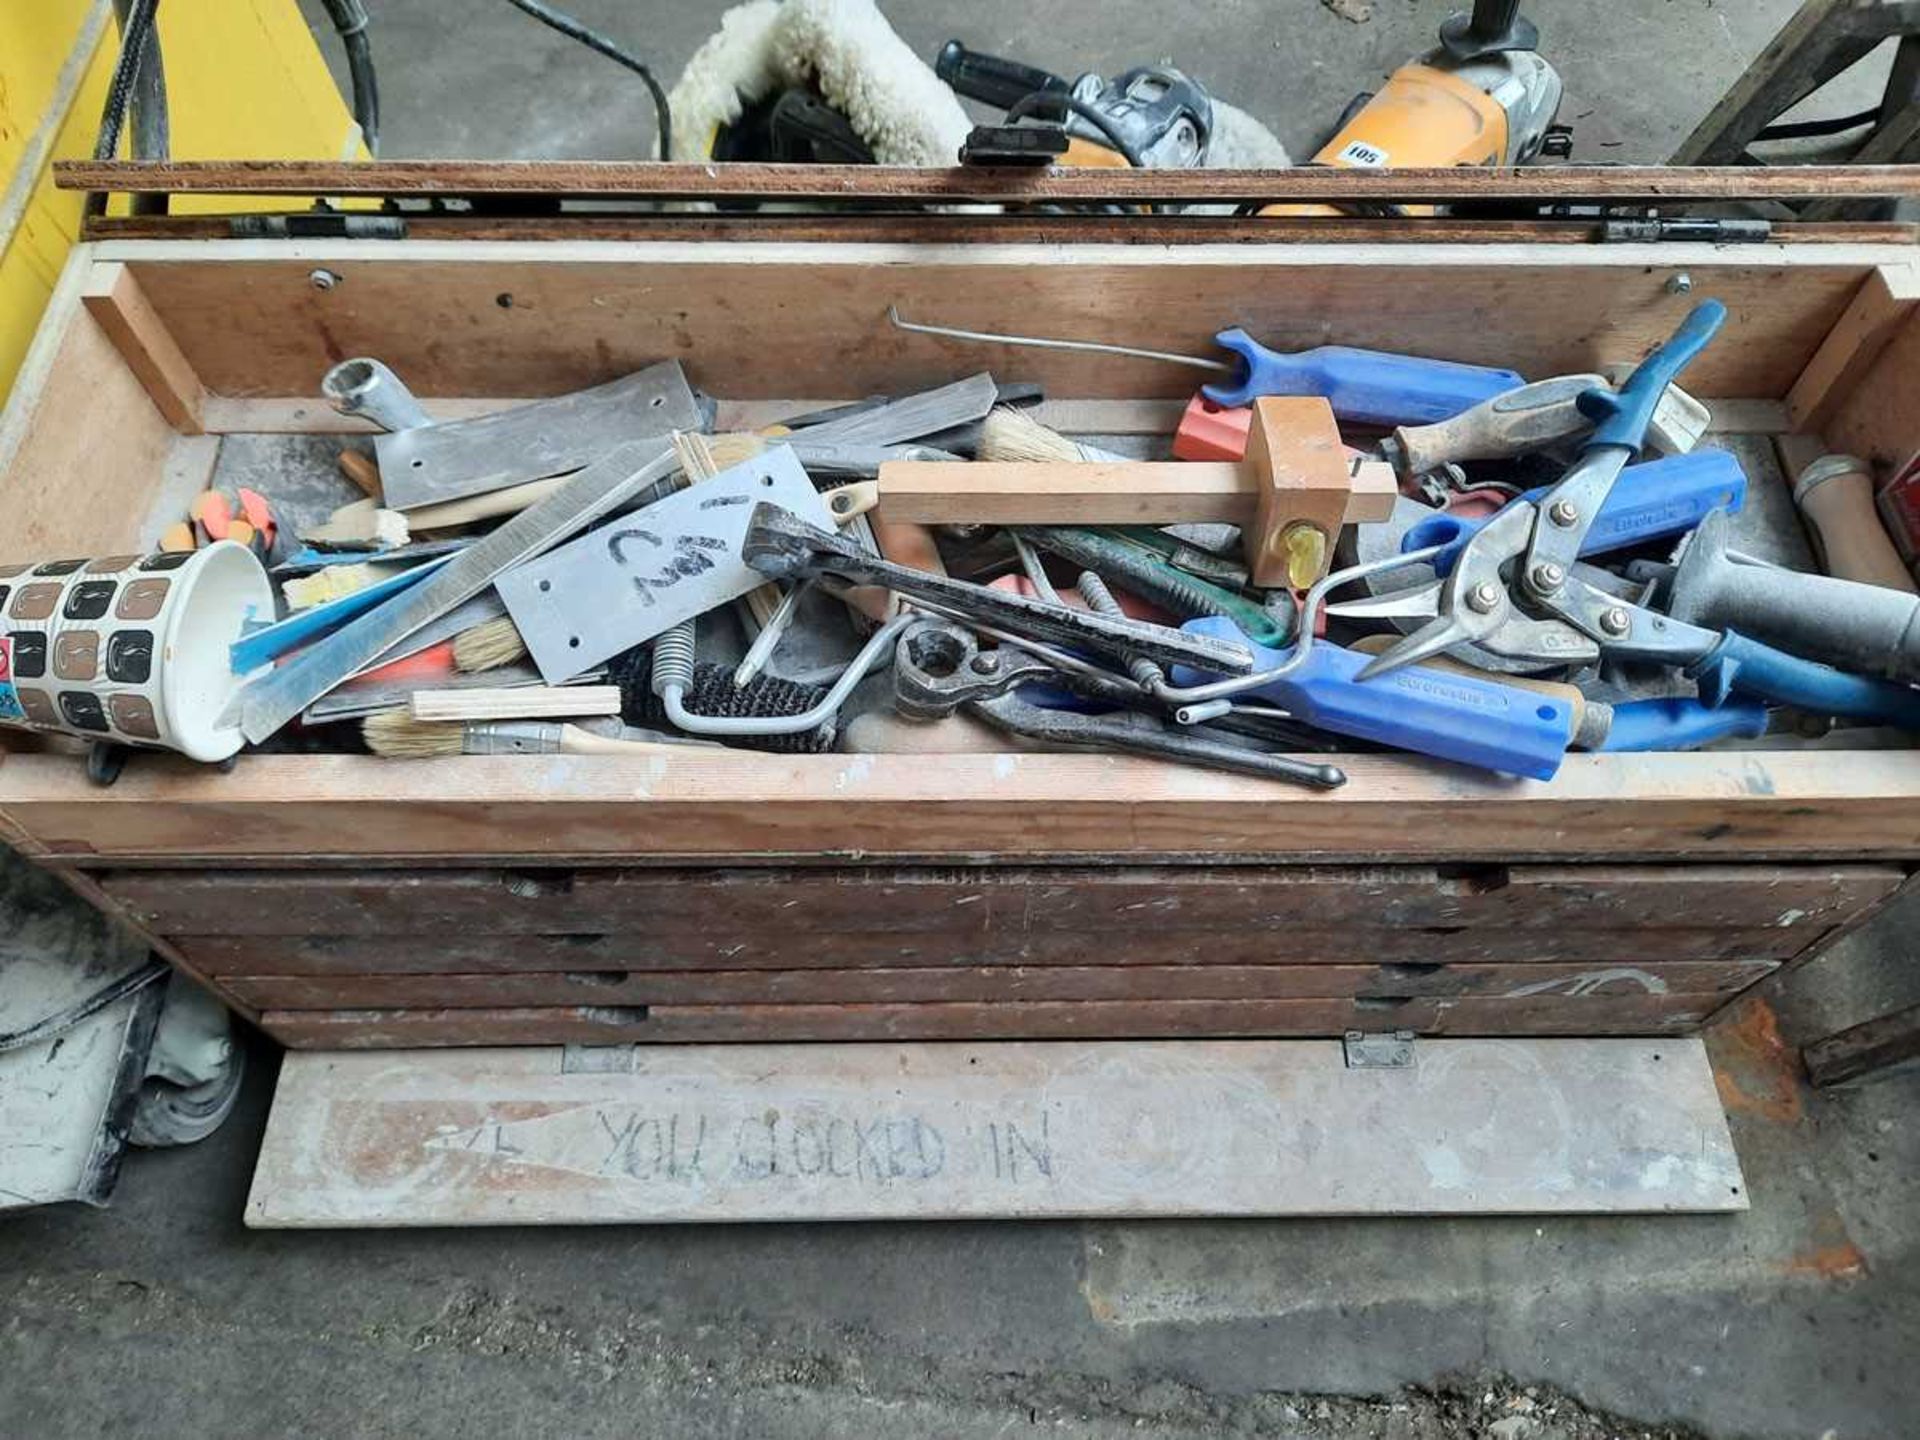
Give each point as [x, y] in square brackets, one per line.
[1745, 666]
[1677, 723]
[1668, 496]
[1433, 712]
[1624, 414]
[1369, 387]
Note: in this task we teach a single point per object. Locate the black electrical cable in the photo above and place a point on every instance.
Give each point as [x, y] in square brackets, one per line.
[48, 1026]
[593, 40]
[1808, 129]
[350, 20]
[147, 112]
[135, 34]
[1056, 100]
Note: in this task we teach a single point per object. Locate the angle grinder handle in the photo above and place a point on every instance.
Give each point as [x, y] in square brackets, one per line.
[1623, 415]
[988, 77]
[1738, 664]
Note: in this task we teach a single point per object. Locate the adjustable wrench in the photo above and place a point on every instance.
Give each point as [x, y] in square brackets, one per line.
[781, 545]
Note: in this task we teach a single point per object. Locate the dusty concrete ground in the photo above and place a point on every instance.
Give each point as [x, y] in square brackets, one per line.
[1799, 1319]
[475, 78]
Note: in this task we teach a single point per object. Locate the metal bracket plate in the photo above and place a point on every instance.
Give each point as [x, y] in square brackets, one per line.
[1388, 1050]
[432, 463]
[638, 576]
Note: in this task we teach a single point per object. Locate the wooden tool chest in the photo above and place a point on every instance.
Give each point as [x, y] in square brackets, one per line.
[347, 901]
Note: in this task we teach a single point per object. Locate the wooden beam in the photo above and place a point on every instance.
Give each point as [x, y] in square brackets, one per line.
[982, 1131]
[84, 452]
[114, 298]
[703, 181]
[87, 887]
[1820, 39]
[247, 315]
[1864, 1049]
[745, 916]
[1885, 301]
[1168, 492]
[739, 947]
[1072, 227]
[1033, 1020]
[1878, 419]
[294, 808]
[994, 984]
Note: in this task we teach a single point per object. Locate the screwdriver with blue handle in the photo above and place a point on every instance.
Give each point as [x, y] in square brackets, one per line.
[1513, 589]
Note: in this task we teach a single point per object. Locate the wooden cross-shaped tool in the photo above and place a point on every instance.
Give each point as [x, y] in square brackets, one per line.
[1290, 497]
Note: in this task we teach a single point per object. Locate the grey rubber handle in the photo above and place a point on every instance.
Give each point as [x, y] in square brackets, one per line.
[1841, 623]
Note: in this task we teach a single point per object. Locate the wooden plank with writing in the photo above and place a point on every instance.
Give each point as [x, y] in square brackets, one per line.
[900, 1132]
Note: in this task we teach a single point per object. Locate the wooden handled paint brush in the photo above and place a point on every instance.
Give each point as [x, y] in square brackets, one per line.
[396, 735]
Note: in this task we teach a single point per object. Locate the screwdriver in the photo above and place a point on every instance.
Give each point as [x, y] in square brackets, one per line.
[1367, 387]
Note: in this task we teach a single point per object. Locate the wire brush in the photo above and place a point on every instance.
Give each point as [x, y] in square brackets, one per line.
[712, 692]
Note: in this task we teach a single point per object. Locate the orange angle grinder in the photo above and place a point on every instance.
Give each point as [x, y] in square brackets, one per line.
[1484, 96]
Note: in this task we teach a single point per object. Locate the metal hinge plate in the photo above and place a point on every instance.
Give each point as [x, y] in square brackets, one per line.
[1388, 1050]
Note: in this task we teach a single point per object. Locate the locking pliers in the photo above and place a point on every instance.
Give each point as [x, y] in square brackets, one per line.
[939, 667]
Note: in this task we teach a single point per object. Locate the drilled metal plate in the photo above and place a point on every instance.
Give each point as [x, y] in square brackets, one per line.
[533, 441]
[638, 576]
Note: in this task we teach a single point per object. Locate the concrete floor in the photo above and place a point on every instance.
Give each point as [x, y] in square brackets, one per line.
[481, 80]
[1798, 1319]
[1801, 1318]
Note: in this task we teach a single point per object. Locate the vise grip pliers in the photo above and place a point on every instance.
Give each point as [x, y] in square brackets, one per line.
[939, 667]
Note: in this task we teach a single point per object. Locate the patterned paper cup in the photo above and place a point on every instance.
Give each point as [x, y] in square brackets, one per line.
[131, 649]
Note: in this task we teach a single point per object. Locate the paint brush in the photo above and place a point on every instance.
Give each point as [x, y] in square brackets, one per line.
[1010, 435]
[396, 735]
[488, 645]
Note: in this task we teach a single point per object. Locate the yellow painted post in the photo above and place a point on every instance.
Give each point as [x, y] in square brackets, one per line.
[244, 81]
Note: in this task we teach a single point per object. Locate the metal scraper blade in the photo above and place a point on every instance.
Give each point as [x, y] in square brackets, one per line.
[434, 463]
[640, 575]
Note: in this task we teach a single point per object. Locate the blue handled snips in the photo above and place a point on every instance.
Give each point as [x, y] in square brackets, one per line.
[1514, 590]
[1464, 718]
